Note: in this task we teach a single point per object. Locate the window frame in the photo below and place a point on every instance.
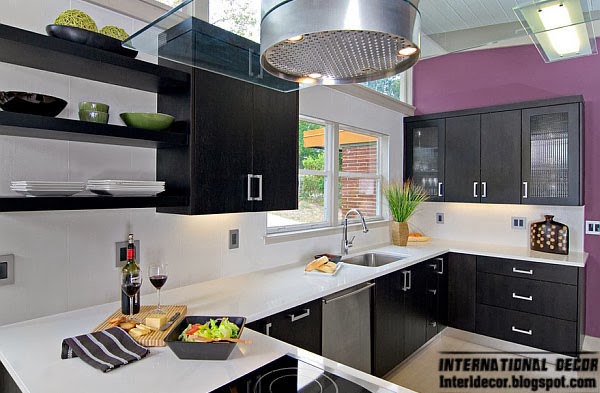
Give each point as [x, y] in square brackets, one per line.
[332, 176]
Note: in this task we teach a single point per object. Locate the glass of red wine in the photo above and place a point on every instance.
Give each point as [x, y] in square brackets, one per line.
[158, 278]
[130, 285]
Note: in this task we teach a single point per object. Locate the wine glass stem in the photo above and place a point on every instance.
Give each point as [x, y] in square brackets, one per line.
[158, 291]
[130, 307]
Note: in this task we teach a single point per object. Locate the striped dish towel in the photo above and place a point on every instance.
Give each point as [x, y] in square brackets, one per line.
[104, 350]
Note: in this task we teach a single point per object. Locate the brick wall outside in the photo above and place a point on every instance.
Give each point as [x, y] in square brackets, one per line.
[359, 193]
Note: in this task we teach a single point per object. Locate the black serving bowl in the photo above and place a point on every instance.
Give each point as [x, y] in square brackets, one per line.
[331, 257]
[202, 351]
[89, 38]
[31, 103]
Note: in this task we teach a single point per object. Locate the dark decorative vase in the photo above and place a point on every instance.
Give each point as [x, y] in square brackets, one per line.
[550, 236]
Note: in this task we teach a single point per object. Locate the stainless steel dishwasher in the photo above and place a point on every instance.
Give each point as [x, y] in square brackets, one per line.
[346, 336]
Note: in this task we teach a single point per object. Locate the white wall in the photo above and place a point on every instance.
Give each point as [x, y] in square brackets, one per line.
[65, 260]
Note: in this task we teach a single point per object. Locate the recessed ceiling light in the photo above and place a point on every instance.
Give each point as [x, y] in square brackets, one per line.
[407, 51]
[296, 38]
[315, 75]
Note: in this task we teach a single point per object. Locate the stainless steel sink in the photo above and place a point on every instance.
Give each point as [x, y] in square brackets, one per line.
[372, 259]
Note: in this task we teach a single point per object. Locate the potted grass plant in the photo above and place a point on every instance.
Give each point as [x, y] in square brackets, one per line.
[403, 200]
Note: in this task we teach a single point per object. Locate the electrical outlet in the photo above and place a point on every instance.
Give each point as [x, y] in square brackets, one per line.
[439, 218]
[7, 269]
[518, 222]
[592, 227]
[234, 239]
[121, 256]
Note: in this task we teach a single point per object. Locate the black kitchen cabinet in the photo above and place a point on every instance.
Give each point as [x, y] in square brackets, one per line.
[299, 326]
[462, 291]
[7, 384]
[552, 159]
[243, 153]
[437, 296]
[400, 316]
[424, 152]
[528, 153]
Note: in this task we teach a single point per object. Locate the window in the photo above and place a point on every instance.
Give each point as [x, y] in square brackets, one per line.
[339, 169]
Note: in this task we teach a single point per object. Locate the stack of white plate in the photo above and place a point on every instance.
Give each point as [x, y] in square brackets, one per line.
[125, 187]
[46, 188]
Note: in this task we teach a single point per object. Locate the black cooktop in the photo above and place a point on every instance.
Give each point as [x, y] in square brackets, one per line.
[287, 375]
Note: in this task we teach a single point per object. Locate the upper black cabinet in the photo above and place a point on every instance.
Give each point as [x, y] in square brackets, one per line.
[528, 153]
[243, 153]
[424, 154]
[552, 163]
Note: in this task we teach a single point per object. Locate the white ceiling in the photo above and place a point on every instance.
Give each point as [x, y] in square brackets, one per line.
[455, 25]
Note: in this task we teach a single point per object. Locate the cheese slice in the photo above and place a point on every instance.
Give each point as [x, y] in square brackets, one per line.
[156, 320]
[137, 332]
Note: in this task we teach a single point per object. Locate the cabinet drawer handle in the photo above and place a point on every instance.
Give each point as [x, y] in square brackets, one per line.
[484, 191]
[268, 329]
[525, 190]
[528, 332]
[528, 298]
[305, 314]
[441, 260]
[515, 270]
[260, 186]
[475, 183]
[433, 291]
[405, 286]
[440, 194]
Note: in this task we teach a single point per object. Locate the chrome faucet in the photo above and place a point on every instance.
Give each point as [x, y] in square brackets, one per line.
[346, 244]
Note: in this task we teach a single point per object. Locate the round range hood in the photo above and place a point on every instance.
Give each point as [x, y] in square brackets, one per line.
[338, 41]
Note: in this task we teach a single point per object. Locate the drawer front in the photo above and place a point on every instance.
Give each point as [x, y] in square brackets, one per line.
[555, 335]
[531, 270]
[539, 297]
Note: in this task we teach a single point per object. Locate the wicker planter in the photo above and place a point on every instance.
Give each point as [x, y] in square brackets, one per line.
[399, 233]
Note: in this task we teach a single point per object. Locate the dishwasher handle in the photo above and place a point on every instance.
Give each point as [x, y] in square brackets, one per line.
[361, 289]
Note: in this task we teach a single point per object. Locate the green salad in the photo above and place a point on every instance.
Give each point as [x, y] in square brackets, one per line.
[210, 330]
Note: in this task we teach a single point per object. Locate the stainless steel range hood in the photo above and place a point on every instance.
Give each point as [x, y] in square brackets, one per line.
[343, 41]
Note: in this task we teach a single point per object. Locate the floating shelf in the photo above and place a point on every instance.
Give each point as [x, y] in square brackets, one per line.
[33, 126]
[19, 203]
[29, 49]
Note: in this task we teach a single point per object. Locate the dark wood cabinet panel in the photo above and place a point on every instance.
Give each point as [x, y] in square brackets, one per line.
[462, 291]
[463, 152]
[501, 157]
[424, 156]
[532, 296]
[555, 335]
[415, 308]
[436, 296]
[527, 269]
[552, 160]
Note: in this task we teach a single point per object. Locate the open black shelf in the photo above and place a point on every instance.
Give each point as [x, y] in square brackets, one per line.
[29, 49]
[33, 126]
[21, 203]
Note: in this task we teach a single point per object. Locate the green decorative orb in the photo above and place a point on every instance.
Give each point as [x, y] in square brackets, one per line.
[114, 32]
[76, 18]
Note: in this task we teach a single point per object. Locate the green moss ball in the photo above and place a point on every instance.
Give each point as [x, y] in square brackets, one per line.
[114, 32]
[76, 18]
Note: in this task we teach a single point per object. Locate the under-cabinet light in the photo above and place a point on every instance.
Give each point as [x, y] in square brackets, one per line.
[560, 29]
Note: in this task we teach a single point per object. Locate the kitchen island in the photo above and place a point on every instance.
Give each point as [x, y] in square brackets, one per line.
[30, 350]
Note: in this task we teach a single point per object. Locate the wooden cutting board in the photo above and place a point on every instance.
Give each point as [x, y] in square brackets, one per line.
[154, 339]
[418, 238]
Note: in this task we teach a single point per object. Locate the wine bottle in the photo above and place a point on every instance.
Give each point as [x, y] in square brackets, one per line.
[130, 267]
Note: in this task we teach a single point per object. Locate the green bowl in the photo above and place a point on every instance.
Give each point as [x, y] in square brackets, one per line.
[93, 116]
[93, 106]
[148, 121]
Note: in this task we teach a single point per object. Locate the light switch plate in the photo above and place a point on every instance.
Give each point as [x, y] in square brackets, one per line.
[7, 269]
[439, 218]
[518, 222]
[121, 255]
[592, 227]
[234, 239]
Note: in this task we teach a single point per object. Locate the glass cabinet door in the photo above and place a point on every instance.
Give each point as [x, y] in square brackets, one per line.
[551, 155]
[424, 151]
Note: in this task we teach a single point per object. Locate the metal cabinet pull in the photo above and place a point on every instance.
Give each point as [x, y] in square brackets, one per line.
[432, 323]
[475, 183]
[409, 279]
[440, 194]
[528, 332]
[405, 281]
[305, 314]
[268, 328]
[260, 186]
[515, 270]
[484, 191]
[441, 271]
[525, 189]
[528, 298]
[433, 291]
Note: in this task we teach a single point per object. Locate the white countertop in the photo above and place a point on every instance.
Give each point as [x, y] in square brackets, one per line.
[30, 350]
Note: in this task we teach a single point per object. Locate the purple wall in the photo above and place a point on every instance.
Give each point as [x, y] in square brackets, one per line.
[507, 75]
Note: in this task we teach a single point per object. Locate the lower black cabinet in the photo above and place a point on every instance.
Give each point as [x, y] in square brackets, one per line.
[436, 296]
[462, 291]
[299, 326]
[400, 316]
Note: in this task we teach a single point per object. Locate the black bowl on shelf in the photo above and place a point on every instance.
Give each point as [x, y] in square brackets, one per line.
[331, 257]
[90, 38]
[31, 103]
[202, 351]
